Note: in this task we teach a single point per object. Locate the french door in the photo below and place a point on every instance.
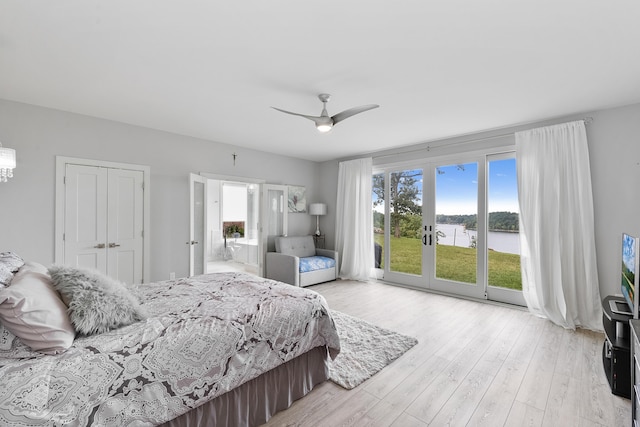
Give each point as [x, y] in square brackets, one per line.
[197, 224]
[432, 226]
[273, 220]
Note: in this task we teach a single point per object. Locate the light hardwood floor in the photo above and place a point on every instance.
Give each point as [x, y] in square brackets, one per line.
[476, 364]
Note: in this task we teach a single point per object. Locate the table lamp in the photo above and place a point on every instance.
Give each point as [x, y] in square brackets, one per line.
[317, 209]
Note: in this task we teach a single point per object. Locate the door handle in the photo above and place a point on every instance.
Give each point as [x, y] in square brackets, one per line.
[100, 246]
[113, 245]
[193, 242]
[430, 239]
[424, 239]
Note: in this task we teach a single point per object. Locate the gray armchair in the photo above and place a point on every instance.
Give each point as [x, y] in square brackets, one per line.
[298, 262]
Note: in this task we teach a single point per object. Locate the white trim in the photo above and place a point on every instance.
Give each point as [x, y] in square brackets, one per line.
[455, 157]
[232, 178]
[61, 163]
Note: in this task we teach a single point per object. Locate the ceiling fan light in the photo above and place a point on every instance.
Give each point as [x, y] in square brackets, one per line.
[324, 127]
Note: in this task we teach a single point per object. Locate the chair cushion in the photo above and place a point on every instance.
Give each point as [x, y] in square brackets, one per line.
[300, 246]
[314, 263]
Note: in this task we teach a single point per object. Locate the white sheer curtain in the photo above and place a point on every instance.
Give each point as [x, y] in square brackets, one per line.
[354, 228]
[558, 254]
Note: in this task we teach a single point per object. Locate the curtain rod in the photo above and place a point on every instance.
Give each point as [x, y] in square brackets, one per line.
[586, 120]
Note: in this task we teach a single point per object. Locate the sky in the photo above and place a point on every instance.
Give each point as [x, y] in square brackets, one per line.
[457, 186]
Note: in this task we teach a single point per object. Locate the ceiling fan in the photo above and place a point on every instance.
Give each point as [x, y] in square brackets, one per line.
[324, 123]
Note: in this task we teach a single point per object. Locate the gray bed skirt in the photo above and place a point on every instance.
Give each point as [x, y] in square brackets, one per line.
[256, 401]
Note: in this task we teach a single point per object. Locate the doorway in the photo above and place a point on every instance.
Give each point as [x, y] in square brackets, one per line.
[224, 230]
[450, 225]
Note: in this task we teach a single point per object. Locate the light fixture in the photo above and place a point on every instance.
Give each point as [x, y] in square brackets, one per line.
[317, 209]
[324, 123]
[7, 163]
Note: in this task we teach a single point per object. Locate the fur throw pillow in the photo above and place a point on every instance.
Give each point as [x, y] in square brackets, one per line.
[96, 302]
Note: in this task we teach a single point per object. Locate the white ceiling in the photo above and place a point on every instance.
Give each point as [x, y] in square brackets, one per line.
[212, 69]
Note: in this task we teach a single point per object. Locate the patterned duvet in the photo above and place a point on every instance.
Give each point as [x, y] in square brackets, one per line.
[205, 336]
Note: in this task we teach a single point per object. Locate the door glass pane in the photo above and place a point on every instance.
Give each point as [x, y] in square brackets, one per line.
[405, 211]
[275, 217]
[378, 219]
[251, 230]
[198, 230]
[234, 220]
[456, 222]
[503, 236]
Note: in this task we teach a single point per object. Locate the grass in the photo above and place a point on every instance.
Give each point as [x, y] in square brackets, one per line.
[454, 263]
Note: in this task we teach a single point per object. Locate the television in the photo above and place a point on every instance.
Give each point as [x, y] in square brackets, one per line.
[628, 277]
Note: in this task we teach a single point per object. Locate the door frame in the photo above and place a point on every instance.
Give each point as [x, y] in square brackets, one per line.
[427, 280]
[478, 289]
[495, 293]
[245, 180]
[61, 165]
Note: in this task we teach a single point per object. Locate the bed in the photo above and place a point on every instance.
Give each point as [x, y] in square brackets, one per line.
[217, 349]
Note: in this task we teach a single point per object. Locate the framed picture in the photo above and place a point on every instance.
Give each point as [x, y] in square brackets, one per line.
[297, 199]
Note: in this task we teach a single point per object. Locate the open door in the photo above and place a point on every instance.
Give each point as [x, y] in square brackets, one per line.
[197, 224]
[273, 219]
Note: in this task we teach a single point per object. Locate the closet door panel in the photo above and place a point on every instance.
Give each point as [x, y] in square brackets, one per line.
[125, 225]
[85, 217]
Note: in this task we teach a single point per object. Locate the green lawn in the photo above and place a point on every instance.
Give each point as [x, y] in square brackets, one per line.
[454, 263]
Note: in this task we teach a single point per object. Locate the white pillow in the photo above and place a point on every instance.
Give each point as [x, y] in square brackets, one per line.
[32, 310]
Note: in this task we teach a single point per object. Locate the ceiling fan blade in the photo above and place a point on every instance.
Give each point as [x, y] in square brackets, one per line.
[351, 112]
[313, 118]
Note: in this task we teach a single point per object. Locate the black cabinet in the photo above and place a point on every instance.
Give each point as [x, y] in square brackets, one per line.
[635, 372]
[616, 349]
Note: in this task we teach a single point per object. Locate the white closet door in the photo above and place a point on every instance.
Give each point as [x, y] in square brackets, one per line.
[86, 217]
[103, 221]
[124, 225]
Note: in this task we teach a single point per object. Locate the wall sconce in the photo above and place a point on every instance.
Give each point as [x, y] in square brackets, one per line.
[317, 209]
[7, 163]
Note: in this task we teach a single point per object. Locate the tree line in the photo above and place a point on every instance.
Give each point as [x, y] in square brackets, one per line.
[406, 209]
[498, 221]
[411, 224]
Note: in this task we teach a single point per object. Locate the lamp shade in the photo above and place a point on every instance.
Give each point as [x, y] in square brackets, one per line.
[317, 209]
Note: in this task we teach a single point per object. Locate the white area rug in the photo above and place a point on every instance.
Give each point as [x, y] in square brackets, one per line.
[365, 350]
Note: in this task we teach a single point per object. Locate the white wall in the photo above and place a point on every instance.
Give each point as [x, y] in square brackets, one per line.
[614, 146]
[614, 150]
[39, 134]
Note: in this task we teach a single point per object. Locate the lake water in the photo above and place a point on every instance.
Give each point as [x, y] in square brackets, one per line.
[497, 240]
